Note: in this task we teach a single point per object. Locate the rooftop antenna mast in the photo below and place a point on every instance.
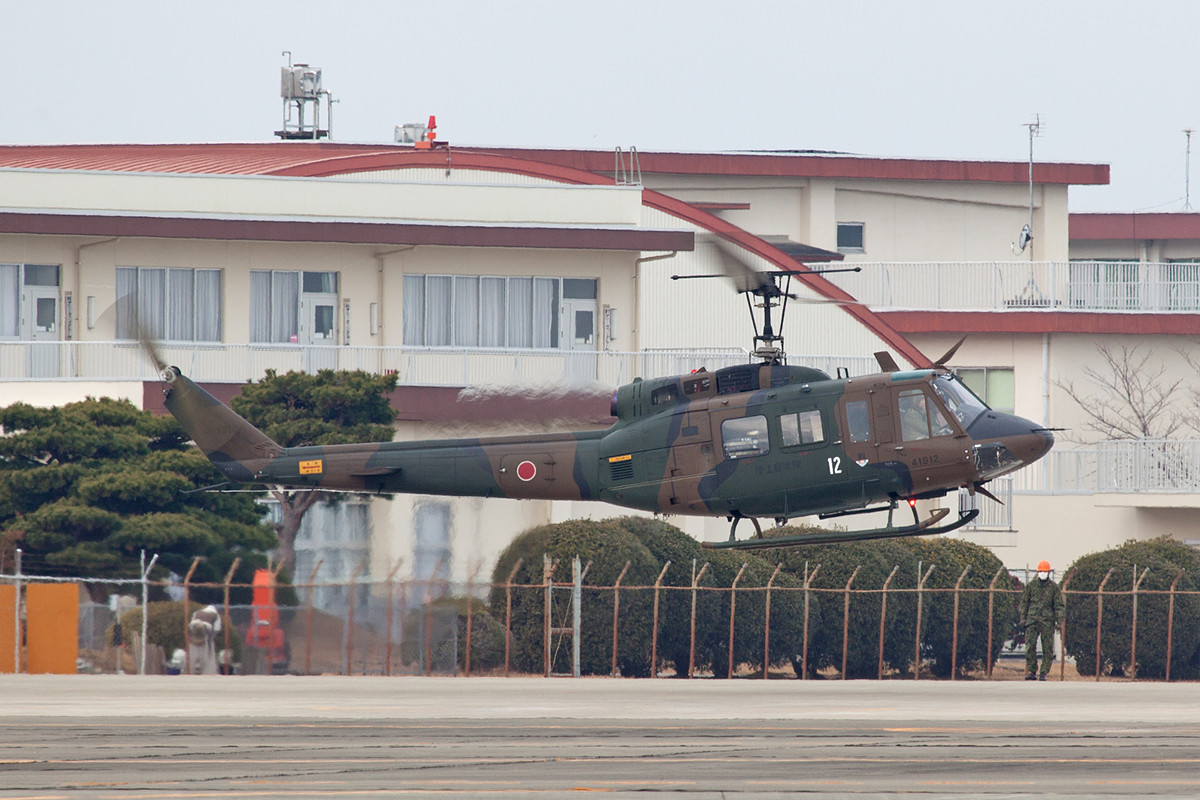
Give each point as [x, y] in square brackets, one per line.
[1035, 129]
[1187, 170]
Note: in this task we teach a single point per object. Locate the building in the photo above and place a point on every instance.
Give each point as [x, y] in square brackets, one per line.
[467, 266]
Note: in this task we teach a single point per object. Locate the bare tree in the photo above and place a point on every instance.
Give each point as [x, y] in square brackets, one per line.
[1130, 397]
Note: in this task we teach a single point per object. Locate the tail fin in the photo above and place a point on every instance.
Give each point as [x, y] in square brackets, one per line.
[235, 447]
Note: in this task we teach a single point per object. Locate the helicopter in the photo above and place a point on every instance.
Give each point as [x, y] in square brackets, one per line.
[761, 440]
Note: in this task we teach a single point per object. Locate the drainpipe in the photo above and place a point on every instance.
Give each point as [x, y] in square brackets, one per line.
[379, 258]
[1046, 380]
[637, 282]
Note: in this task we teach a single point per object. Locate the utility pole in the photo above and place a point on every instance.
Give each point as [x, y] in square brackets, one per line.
[1187, 170]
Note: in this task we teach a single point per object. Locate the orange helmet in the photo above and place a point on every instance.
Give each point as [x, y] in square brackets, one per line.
[1043, 566]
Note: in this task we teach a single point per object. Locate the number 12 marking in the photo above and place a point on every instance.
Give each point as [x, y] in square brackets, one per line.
[835, 465]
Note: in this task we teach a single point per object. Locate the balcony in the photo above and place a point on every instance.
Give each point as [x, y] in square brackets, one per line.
[1126, 286]
[1146, 472]
[426, 366]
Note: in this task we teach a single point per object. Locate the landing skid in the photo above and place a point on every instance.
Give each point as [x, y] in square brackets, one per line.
[927, 526]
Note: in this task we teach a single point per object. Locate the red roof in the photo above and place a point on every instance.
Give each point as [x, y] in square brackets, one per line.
[1126, 226]
[292, 157]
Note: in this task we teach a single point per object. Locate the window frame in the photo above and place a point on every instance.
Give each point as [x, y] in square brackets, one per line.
[861, 228]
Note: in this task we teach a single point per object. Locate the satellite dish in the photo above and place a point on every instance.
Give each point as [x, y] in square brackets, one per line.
[1024, 239]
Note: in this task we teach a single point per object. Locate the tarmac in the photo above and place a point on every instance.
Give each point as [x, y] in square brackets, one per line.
[169, 737]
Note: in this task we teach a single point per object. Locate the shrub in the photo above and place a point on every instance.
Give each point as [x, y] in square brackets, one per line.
[837, 562]
[607, 546]
[449, 644]
[668, 543]
[950, 557]
[1163, 558]
[165, 628]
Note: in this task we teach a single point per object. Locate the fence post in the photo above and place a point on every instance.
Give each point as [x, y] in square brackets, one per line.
[508, 612]
[308, 622]
[846, 619]
[391, 602]
[954, 635]
[732, 605]
[1133, 636]
[767, 622]
[1171, 623]
[547, 575]
[17, 614]
[145, 603]
[576, 612]
[920, 608]
[616, 611]
[654, 631]
[348, 634]
[187, 610]
[692, 650]
[808, 577]
[467, 656]
[883, 616]
[991, 618]
[228, 579]
[1062, 656]
[1100, 618]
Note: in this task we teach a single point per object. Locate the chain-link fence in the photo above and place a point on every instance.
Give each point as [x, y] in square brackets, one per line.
[403, 626]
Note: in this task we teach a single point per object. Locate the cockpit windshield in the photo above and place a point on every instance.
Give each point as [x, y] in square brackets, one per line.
[960, 400]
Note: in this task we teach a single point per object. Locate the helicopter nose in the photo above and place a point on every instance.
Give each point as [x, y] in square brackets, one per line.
[1007, 442]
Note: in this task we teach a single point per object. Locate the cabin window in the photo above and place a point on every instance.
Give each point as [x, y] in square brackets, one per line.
[697, 385]
[803, 427]
[745, 437]
[175, 304]
[858, 419]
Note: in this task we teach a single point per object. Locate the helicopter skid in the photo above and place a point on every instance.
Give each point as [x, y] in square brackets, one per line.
[927, 526]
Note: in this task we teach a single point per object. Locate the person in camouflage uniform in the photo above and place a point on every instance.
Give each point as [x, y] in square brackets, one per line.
[1041, 612]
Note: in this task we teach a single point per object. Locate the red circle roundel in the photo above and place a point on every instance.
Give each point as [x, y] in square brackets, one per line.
[526, 470]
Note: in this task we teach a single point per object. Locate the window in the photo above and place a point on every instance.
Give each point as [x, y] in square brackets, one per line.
[276, 297]
[431, 551]
[169, 303]
[664, 394]
[996, 386]
[491, 311]
[850, 237]
[745, 437]
[803, 427]
[919, 418]
[858, 417]
[961, 401]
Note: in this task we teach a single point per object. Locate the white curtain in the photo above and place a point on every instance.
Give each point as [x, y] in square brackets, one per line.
[10, 300]
[285, 306]
[180, 311]
[152, 302]
[545, 312]
[466, 311]
[520, 312]
[491, 312]
[438, 293]
[208, 305]
[414, 310]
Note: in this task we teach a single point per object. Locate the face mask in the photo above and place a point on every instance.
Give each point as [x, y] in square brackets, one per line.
[1043, 575]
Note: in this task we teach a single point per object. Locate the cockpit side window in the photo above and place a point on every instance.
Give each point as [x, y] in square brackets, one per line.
[920, 417]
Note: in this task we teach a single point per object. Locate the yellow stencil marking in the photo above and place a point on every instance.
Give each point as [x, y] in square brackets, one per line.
[626, 457]
[311, 467]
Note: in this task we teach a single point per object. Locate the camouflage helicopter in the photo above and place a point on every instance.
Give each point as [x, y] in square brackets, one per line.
[758, 440]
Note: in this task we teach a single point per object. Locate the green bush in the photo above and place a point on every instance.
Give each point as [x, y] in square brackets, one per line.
[1164, 558]
[837, 562]
[487, 634]
[950, 557]
[668, 543]
[607, 546]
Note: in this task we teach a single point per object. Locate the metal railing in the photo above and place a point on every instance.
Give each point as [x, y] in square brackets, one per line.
[1147, 287]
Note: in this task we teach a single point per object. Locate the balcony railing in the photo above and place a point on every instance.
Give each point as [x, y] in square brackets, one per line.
[1126, 466]
[238, 363]
[1146, 287]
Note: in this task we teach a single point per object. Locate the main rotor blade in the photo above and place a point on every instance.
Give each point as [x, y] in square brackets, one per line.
[945, 359]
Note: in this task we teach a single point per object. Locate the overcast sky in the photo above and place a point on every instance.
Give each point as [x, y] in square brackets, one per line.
[1114, 82]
